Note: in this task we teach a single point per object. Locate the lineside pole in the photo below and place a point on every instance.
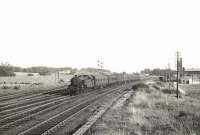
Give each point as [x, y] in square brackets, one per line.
[58, 76]
[169, 75]
[177, 76]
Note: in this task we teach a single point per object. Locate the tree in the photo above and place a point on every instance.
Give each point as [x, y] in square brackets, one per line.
[6, 70]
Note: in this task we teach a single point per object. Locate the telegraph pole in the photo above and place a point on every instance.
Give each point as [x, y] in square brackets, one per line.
[58, 76]
[177, 94]
[169, 76]
[55, 77]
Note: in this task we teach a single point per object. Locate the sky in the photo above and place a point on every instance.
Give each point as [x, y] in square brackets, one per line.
[126, 35]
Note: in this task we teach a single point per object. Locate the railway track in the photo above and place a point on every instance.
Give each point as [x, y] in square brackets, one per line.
[72, 123]
[9, 115]
[29, 101]
[15, 110]
[27, 93]
[46, 112]
[55, 122]
[38, 114]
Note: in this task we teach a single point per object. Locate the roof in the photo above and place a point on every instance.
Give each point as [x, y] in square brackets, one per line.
[193, 70]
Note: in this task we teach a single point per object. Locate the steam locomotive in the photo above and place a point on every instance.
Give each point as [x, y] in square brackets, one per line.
[84, 82]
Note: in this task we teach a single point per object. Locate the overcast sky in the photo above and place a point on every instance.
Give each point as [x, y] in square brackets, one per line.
[127, 35]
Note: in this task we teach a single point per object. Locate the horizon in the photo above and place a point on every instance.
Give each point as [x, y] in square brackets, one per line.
[126, 36]
[166, 68]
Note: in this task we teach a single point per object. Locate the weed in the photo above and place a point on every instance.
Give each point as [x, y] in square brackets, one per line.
[17, 87]
[153, 112]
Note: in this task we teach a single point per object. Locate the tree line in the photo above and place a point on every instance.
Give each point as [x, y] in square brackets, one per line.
[8, 70]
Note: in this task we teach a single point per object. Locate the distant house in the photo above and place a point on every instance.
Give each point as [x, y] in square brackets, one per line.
[191, 76]
[192, 72]
[65, 72]
[190, 80]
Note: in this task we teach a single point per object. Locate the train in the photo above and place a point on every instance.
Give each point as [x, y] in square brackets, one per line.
[84, 82]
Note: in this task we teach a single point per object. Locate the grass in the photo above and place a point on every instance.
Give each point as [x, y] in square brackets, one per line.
[23, 82]
[152, 112]
[193, 90]
[31, 79]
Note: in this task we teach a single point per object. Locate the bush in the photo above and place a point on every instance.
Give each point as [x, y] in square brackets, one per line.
[156, 87]
[16, 87]
[44, 73]
[182, 114]
[140, 85]
[24, 83]
[61, 81]
[160, 84]
[37, 83]
[30, 74]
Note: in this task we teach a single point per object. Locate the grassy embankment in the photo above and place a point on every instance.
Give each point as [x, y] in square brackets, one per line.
[152, 110]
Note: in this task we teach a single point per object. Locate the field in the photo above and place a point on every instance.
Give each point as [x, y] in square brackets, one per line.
[193, 90]
[24, 82]
[153, 111]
